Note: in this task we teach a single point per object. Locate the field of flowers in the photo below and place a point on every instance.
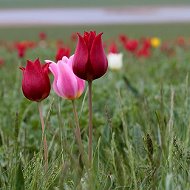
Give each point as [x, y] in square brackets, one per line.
[140, 113]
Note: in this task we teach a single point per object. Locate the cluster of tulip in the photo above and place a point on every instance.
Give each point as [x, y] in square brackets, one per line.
[137, 48]
[88, 63]
[141, 48]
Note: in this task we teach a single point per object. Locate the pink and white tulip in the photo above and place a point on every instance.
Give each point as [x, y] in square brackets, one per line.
[66, 84]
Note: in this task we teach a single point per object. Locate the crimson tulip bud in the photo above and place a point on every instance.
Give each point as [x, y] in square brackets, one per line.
[61, 52]
[90, 60]
[35, 82]
[21, 49]
[131, 45]
[2, 62]
[113, 48]
[42, 36]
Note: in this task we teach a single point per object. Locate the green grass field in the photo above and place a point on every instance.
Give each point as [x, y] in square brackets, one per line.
[85, 3]
[141, 137]
[165, 31]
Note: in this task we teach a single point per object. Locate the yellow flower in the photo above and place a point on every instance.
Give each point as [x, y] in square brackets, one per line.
[155, 42]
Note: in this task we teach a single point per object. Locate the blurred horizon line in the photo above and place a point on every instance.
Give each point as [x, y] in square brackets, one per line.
[95, 16]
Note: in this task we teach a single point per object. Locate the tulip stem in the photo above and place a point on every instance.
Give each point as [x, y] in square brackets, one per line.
[43, 137]
[90, 122]
[78, 133]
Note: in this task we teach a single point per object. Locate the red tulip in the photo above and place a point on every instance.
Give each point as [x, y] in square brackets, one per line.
[2, 62]
[146, 43]
[90, 60]
[61, 52]
[42, 36]
[21, 49]
[143, 52]
[181, 41]
[35, 81]
[123, 38]
[131, 45]
[113, 48]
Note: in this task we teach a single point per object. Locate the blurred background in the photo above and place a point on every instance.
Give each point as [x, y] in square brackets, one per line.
[86, 3]
[145, 115]
[60, 18]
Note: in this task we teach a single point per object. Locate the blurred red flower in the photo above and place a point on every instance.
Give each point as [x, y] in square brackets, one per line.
[113, 48]
[181, 41]
[123, 38]
[42, 36]
[131, 45]
[61, 52]
[21, 49]
[143, 52]
[2, 62]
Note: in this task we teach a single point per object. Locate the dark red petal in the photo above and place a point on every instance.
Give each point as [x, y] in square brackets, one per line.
[98, 58]
[80, 58]
[86, 37]
[91, 39]
[45, 68]
[37, 63]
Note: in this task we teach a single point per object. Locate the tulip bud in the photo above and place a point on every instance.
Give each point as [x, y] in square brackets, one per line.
[66, 84]
[42, 36]
[90, 61]
[181, 41]
[61, 52]
[143, 52]
[113, 48]
[35, 82]
[2, 62]
[115, 61]
[21, 49]
[131, 45]
[123, 38]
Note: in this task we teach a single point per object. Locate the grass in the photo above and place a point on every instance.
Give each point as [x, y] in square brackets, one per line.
[84, 3]
[141, 138]
[164, 31]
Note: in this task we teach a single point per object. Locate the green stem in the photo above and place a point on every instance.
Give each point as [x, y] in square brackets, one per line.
[43, 136]
[78, 133]
[90, 122]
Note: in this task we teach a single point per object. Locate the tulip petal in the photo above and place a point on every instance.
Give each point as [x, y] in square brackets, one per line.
[37, 65]
[45, 68]
[80, 82]
[81, 58]
[66, 83]
[65, 59]
[81, 86]
[70, 61]
[98, 58]
[53, 68]
[91, 38]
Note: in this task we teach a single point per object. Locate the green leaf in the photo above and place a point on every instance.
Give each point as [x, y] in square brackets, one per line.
[19, 178]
